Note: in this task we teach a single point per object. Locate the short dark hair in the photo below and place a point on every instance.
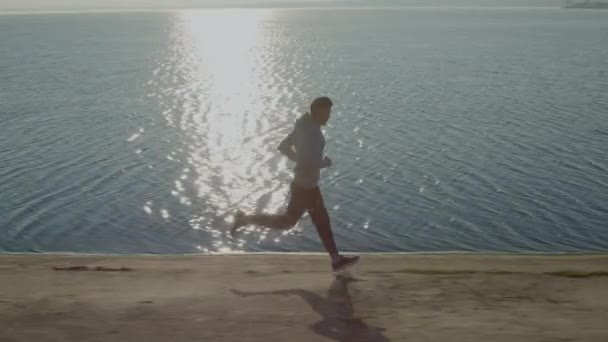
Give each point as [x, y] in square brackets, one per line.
[322, 101]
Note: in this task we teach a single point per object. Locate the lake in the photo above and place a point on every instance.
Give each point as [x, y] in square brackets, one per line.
[454, 129]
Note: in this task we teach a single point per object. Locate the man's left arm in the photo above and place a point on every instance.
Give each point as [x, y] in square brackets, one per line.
[286, 147]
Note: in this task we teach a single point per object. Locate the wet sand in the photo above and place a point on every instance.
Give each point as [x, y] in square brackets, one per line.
[278, 297]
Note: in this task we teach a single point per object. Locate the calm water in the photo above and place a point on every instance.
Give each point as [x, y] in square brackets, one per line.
[455, 129]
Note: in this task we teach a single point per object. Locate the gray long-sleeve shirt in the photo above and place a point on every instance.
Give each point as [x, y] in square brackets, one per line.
[309, 143]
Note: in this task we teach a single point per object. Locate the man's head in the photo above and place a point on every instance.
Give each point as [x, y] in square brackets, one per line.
[320, 109]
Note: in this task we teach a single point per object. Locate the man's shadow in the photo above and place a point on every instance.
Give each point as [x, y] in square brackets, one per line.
[336, 311]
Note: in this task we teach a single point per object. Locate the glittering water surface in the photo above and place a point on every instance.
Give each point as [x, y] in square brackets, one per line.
[454, 129]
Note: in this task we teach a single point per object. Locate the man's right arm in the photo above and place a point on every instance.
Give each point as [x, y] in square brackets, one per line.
[286, 147]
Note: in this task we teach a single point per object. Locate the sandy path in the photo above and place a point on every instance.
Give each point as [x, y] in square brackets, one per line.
[293, 298]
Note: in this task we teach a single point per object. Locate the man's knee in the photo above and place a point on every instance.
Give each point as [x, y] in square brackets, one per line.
[289, 221]
[320, 218]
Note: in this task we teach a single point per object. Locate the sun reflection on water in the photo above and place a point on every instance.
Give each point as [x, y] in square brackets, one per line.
[215, 88]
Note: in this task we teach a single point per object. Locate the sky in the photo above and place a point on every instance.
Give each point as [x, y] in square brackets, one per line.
[163, 4]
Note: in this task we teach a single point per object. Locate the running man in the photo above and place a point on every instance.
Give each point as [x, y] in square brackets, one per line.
[305, 145]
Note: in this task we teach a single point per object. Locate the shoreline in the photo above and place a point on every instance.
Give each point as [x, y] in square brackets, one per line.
[498, 253]
[294, 297]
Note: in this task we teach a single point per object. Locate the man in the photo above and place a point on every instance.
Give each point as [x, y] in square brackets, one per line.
[305, 145]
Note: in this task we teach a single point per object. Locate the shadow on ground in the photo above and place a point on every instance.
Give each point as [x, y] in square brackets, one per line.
[336, 310]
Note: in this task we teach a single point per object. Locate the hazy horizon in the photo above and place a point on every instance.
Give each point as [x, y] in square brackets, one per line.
[52, 5]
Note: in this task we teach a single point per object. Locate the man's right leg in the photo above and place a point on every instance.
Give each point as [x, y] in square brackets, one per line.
[295, 210]
[272, 221]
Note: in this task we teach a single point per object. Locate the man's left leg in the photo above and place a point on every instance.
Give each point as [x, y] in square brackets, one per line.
[320, 218]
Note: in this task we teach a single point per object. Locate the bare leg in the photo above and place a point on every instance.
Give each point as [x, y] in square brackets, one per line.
[300, 201]
[320, 218]
[297, 205]
[279, 222]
